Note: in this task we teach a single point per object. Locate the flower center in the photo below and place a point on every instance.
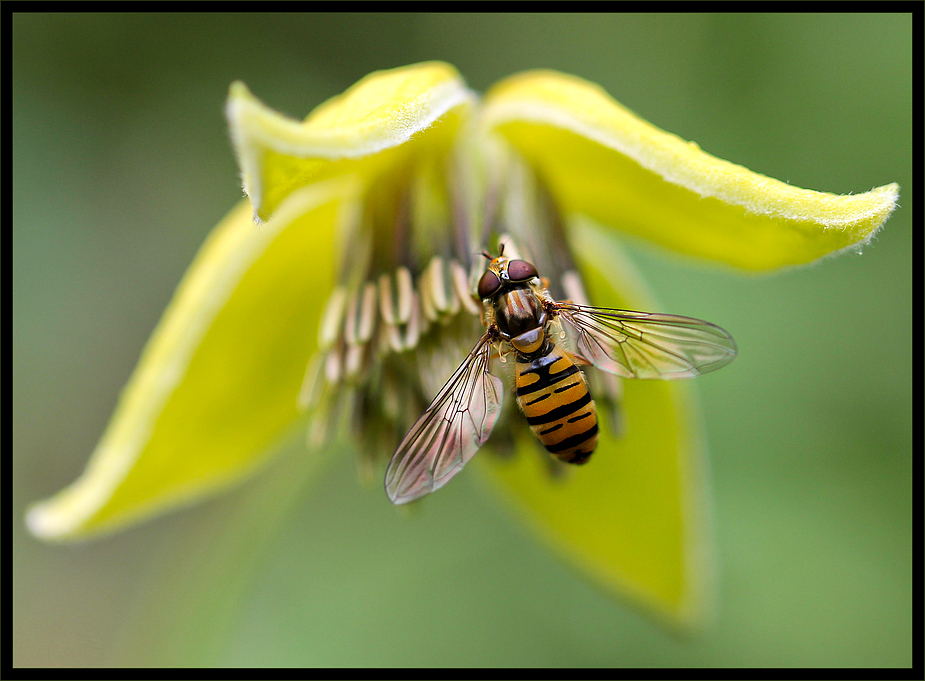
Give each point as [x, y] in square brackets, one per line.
[406, 312]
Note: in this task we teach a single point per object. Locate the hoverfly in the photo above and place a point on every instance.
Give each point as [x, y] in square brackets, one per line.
[550, 389]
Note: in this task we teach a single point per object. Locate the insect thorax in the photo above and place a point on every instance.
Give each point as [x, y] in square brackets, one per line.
[518, 310]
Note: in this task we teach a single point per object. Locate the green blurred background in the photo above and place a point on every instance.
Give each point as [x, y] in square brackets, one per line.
[122, 164]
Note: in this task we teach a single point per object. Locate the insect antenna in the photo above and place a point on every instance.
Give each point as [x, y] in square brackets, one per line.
[486, 255]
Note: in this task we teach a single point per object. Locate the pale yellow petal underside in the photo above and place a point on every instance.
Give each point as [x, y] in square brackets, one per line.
[603, 161]
[217, 384]
[345, 134]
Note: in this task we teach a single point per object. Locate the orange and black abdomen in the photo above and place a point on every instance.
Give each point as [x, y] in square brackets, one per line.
[553, 395]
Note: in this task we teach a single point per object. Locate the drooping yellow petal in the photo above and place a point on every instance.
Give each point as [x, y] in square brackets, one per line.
[380, 112]
[218, 382]
[603, 161]
[634, 518]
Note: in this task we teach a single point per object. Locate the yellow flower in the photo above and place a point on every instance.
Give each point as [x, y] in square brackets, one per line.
[349, 304]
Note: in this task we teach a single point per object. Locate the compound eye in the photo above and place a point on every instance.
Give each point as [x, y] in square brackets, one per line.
[488, 284]
[521, 270]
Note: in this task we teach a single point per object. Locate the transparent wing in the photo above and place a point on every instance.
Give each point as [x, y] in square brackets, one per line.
[646, 344]
[450, 431]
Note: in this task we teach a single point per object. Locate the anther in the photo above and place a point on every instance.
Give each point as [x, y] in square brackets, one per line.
[367, 311]
[405, 295]
[351, 326]
[415, 323]
[353, 361]
[386, 308]
[332, 318]
[461, 287]
[332, 365]
[397, 309]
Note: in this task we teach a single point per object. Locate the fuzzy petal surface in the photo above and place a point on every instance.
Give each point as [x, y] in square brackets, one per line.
[350, 133]
[218, 381]
[603, 161]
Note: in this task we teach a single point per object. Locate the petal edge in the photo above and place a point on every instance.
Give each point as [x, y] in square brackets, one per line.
[381, 111]
[605, 162]
[217, 383]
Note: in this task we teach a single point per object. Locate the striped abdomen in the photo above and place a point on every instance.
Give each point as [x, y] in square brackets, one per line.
[553, 395]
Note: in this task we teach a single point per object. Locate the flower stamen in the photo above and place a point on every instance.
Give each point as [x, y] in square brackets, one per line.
[392, 332]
